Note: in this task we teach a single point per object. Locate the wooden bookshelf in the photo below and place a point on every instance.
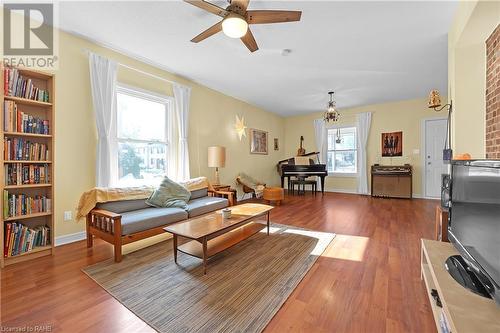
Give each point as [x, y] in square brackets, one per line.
[28, 162]
[27, 216]
[33, 135]
[26, 186]
[26, 101]
[42, 110]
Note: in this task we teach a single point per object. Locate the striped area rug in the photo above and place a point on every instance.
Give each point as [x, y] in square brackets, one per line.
[244, 288]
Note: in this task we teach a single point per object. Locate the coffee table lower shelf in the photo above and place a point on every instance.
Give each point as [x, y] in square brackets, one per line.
[222, 242]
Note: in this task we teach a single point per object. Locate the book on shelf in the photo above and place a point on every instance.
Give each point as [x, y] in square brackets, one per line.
[19, 238]
[19, 149]
[18, 121]
[19, 204]
[19, 86]
[26, 174]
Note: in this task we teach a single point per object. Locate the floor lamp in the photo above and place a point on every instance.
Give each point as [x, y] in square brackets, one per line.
[216, 159]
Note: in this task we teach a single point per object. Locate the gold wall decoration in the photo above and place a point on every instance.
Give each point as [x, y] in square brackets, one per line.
[240, 127]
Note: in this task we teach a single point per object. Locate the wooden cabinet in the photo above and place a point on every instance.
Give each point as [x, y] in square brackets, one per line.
[391, 181]
[441, 227]
[462, 310]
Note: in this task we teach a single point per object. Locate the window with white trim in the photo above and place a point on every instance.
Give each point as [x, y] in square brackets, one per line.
[342, 151]
[142, 136]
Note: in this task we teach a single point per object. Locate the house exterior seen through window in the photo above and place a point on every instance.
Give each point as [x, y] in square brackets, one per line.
[142, 125]
[342, 151]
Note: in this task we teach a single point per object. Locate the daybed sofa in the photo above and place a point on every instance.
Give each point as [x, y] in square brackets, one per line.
[126, 221]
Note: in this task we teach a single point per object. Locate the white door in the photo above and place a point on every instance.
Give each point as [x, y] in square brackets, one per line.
[435, 136]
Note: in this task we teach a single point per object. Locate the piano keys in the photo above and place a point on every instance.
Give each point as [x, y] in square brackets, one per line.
[287, 168]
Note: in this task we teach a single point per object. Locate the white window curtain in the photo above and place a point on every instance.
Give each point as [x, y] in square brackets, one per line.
[182, 96]
[321, 139]
[363, 130]
[320, 134]
[103, 86]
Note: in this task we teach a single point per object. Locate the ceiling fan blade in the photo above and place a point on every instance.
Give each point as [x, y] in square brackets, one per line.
[207, 33]
[243, 4]
[208, 7]
[249, 41]
[272, 16]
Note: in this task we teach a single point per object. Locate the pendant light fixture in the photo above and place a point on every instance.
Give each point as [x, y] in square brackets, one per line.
[338, 140]
[331, 112]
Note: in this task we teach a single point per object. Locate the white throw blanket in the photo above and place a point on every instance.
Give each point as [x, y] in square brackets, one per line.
[195, 183]
[255, 185]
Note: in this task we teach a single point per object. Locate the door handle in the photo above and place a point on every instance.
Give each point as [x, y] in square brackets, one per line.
[429, 163]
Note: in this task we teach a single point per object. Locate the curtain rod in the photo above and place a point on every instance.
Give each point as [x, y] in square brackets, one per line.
[87, 52]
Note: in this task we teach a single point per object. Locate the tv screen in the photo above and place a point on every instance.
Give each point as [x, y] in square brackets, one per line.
[475, 219]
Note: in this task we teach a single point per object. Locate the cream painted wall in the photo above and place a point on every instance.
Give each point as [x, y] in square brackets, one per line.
[403, 116]
[212, 118]
[473, 23]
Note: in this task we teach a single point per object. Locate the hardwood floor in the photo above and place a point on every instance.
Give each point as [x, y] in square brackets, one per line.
[367, 281]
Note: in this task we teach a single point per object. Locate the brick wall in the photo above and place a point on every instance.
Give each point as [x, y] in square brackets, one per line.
[493, 95]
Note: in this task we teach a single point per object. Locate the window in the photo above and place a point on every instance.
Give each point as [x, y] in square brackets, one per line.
[142, 136]
[342, 150]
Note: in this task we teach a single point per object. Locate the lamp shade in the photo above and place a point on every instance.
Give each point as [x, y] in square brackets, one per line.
[216, 157]
[434, 99]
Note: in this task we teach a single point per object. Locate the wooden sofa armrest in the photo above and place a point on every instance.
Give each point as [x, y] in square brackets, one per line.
[105, 213]
[105, 221]
[108, 226]
[228, 194]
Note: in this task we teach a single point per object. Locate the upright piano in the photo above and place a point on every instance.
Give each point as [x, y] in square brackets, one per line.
[287, 169]
[391, 181]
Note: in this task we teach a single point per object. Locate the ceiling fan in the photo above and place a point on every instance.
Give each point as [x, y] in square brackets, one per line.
[236, 18]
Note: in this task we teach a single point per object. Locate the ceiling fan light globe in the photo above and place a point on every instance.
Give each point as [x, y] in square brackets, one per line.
[234, 26]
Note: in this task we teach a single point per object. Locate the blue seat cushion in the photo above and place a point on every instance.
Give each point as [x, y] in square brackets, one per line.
[199, 193]
[148, 218]
[205, 205]
[123, 206]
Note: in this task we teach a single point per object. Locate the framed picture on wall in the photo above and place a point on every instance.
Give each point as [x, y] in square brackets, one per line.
[392, 144]
[276, 144]
[258, 142]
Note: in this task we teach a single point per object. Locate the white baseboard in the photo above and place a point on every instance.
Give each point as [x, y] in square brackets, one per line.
[341, 190]
[351, 191]
[66, 239]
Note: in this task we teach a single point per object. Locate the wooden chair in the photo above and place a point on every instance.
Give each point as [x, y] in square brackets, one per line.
[247, 189]
[229, 195]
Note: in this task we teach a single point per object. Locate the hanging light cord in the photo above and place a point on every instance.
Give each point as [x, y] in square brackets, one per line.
[447, 143]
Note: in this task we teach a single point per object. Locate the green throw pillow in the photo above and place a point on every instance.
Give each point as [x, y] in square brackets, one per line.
[169, 194]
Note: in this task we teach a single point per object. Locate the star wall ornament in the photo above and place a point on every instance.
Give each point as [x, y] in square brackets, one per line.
[240, 127]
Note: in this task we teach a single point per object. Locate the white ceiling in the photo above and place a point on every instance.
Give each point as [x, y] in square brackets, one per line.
[368, 52]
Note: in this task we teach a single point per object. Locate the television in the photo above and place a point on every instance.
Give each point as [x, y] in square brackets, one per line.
[474, 226]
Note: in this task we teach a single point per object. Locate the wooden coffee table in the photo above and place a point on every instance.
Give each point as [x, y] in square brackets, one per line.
[211, 234]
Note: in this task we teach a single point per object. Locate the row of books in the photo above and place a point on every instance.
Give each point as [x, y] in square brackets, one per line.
[15, 204]
[23, 174]
[17, 85]
[20, 238]
[19, 149]
[18, 121]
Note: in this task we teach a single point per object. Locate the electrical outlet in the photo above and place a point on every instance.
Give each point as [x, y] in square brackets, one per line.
[68, 215]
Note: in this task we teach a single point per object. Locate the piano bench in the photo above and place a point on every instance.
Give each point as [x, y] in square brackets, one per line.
[276, 194]
[303, 182]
